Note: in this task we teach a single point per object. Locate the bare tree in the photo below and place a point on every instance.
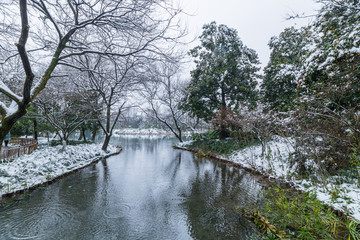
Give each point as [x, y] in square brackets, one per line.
[61, 30]
[63, 108]
[111, 79]
[162, 96]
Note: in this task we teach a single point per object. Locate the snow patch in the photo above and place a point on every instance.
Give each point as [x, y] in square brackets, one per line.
[47, 163]
[275, 159]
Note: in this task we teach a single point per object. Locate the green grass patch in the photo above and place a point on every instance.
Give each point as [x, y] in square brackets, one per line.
[290, 215]
[209, 142]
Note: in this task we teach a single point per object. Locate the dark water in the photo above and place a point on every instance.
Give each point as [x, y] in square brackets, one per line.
[149, 191]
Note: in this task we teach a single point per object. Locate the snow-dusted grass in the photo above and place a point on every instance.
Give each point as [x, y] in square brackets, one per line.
[46, 163]
[344, 197]
[274, 159]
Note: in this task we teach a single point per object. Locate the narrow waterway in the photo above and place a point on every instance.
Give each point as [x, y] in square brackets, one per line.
[149, 191]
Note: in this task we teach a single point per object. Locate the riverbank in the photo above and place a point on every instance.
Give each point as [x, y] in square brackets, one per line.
[46, 165]
[148, 132]
[274, 161]
[149, 191]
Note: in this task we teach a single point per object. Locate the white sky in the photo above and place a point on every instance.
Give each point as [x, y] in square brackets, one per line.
[255, 20]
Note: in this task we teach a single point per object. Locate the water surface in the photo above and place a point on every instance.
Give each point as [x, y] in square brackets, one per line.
[149, 191]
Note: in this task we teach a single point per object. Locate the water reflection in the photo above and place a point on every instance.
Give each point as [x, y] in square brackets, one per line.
[149, 191]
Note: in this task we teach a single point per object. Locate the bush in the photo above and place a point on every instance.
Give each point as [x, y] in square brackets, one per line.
[330, 138]
[54, 143]
[301, 216]
[209, 142]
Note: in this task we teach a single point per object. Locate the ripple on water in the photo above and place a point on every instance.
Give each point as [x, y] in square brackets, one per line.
[6, 205]
[38, 222]
[117, 211]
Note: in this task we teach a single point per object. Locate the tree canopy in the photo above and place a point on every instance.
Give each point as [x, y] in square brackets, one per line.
[284, 68]
[51, 33]
[225, 74]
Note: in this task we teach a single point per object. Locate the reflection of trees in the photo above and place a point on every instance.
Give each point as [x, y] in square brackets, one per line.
[151, 145]
[213, 197]
[176, 187]
[174, 167]
[132, 143]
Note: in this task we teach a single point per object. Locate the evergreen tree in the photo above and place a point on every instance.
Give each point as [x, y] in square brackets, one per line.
[336, 53]
[328, 116]
[284, 68]
[224, 77]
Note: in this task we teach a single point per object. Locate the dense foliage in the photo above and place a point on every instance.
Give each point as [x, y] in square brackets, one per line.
[224, 77]
[314, 72]
[209, 142]
[284, 69]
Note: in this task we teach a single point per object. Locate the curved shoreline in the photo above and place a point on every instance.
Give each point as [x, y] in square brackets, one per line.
[14, 194]
[239, 165]
[266, 176]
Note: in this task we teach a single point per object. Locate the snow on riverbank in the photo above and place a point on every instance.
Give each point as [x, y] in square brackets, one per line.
[46, 163]
[150, 132]
[274, 159]
[141, 131]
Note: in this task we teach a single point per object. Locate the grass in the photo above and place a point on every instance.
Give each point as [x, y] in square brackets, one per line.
[209, 142]
[289, 215]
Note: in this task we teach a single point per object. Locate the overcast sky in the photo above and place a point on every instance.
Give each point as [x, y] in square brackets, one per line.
[255, 20]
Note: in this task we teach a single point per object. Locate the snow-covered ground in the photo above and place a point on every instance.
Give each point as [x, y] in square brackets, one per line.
[150, 132]
[46, 163]
[141, 131]
[274, 159]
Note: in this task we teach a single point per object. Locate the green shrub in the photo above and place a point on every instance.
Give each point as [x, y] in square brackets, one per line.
[209, 142]
[303, 216]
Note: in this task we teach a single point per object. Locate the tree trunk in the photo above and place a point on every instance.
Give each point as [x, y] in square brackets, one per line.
[106, 142]
[35, 130]
[93, 136]
[63, 142]
[180, 136]
[8, 122]
[107, 130]
[223, 131]
[83, 133]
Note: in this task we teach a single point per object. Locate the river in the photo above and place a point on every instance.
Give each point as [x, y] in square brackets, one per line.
[148, 191]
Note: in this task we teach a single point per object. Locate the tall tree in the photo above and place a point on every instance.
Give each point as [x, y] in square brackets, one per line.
[61, 30]
[225, 75]
[327, 121]
[284, 68]
[162, 96]
[335, 52]
[111, 80]
[63, 108]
